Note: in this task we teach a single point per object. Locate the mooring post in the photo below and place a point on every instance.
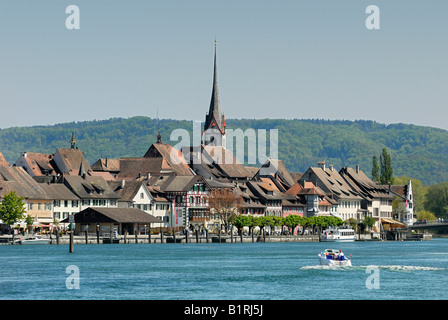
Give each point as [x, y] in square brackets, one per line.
[70, 249]
[97, 233]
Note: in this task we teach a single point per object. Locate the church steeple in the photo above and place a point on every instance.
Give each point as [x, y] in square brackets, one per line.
[73, 141]
[214, 113]
[214, 119]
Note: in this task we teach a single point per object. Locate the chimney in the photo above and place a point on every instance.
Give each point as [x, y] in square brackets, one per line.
[321, 164]
[122, 183]
[357, 168]
[24, 154]
[148, 176]
[331, 167]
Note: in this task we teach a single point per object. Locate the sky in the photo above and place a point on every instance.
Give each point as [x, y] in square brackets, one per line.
[276, 59]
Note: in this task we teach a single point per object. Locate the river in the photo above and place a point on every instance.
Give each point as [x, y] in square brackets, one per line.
[236, 271]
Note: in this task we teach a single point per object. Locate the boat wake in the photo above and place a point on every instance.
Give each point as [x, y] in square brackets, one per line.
[381, 267]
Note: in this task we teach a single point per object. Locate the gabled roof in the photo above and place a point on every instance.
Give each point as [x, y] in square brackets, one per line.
[72, 159]
[134, 168]
[18, 180]
[363, 184]
[180, 183]
[173, 159]
[119, 215]
[107, 165]
[225, 161]
[89, 187]
[277, 169]
[130, 189]
[331, 181]
[3, 161]
[38, 163]
[58, 191]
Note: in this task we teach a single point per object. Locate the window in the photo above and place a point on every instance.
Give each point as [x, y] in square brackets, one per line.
[47, 206]
[57, 215]
[142, 195]
[74, 203]
[66, 203]
[30, 206]
[57, 203]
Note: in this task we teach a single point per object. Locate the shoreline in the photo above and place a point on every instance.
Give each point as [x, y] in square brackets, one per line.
[145, 239]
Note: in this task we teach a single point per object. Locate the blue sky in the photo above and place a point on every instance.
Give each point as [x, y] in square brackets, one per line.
[276, 59]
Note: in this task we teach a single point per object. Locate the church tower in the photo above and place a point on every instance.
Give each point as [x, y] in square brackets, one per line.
[215, 125]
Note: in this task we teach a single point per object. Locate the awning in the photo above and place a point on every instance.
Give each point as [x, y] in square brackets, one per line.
[392, 222]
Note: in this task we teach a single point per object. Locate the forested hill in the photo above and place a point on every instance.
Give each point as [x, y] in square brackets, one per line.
[416, 151]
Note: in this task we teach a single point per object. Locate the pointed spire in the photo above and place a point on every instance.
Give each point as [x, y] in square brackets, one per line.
[73, 141]
[214, 112]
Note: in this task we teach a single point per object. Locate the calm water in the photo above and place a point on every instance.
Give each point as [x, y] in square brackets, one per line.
[407, 270]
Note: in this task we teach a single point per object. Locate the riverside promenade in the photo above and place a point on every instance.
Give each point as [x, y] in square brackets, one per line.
[166, 238]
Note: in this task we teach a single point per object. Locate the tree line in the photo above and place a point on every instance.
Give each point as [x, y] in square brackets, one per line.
[415, 151]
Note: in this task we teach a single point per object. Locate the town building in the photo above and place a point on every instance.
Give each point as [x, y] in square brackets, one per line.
[63, 202]
[107, 220]
[376, 201]
[333, 184]
[405, 198]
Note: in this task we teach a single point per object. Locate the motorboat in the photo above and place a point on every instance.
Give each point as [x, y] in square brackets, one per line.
[338, 234]
[333, 257]
[36, 239]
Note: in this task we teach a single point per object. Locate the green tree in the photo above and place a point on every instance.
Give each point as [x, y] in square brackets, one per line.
[418, 191]
[375, 170]
[352, 222]
[252, 223]
[240, 221]
[386, 168]
[369, 222]
[437, 200]
[426, 215]
[292, 221]
[12, 208]
[29, 222]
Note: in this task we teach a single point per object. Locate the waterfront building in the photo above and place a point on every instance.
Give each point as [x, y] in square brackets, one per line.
[36, 200]
[37, 164]
[63, 202]
[250, 203]
[269, 195]
[93, 191]
[106, 220]
[333, 184]
[311, 200]
[403, 194]
[376, 201]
